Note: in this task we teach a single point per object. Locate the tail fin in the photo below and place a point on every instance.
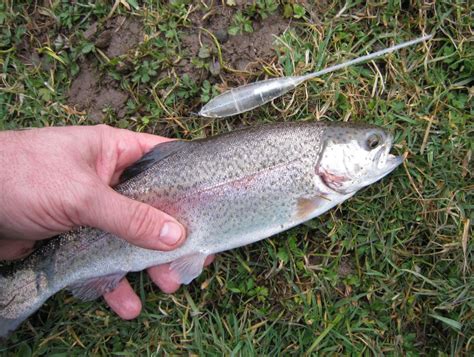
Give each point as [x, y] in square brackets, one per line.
[21, 294]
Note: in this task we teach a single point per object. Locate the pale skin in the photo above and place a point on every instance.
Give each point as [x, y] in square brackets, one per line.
[55, 179]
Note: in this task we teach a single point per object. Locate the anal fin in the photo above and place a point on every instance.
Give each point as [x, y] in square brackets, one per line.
[189, 267]
[91, 289]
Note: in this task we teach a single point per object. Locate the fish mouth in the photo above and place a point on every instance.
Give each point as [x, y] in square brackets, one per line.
[386, 166]
[393, 162]
[386, 162]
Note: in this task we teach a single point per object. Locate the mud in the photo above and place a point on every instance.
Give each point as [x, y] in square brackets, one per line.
[246, 51]
[37, 30]
[95, 95]
[117, 36]
[92, 92]
[346, 267]
[243, 52]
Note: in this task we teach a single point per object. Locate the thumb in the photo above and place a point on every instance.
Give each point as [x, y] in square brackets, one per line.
[136, 222]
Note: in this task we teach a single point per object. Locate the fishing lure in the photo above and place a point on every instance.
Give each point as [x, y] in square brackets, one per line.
[250, 96]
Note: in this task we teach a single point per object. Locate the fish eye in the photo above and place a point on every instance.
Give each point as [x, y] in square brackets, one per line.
[373, 141]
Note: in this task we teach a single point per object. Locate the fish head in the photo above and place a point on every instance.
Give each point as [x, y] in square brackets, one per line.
[355, 156]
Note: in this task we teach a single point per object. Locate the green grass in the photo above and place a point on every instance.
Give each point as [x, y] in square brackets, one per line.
[388, 272]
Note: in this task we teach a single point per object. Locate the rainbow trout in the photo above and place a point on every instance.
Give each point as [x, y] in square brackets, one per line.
[228, 191]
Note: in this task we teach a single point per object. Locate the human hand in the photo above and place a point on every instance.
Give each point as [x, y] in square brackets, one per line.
[55, 179]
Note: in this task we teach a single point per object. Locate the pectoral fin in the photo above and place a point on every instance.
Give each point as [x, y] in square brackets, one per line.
[188, 267]
[93, 288]
[306, 206]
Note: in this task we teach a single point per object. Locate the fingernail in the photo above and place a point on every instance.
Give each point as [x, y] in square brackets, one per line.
[170, 233]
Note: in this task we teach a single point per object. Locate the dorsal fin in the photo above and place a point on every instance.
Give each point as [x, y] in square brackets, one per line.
[158, 153]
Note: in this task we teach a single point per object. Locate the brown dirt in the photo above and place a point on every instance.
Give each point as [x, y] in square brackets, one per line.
[247, 49]
[346, 268]
[117, 36]
[38, 30]
[243, 52]
[92, 92]
[95, 93]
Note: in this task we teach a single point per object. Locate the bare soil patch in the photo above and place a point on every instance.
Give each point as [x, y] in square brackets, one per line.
[242, 52]
[93, 92]
[116, 36]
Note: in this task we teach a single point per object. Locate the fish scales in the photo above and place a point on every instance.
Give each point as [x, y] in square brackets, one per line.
[228, 191]
[258, 166]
